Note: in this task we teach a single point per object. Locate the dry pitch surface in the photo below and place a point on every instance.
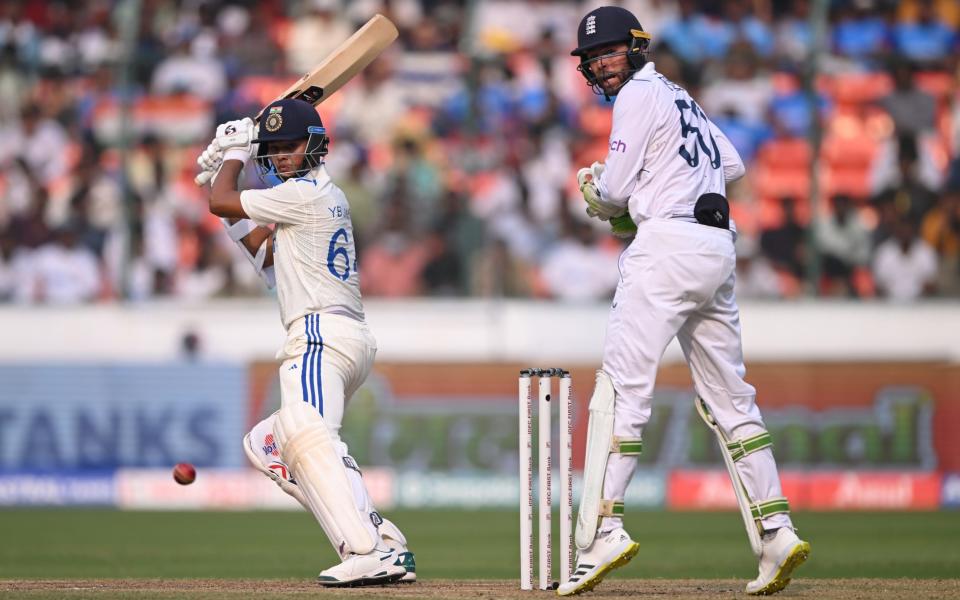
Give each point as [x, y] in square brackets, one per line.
[702, 589]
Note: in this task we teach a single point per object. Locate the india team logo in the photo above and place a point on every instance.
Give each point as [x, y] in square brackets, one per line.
[274, 119]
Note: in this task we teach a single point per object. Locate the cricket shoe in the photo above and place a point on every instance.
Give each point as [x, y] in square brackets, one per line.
[378, 567]
[393, 538]
[782, 553]
[605, 554]
[406, 560]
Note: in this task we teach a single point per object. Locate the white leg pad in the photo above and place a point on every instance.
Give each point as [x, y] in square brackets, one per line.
[255, 445]
[311, 453]
[599, 440]
[390, 531]
[743, 501]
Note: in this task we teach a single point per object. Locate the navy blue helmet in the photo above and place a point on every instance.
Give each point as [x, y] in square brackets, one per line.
[607, 26]
[288, 120]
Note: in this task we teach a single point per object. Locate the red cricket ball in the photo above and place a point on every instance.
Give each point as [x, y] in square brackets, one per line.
[184, 473]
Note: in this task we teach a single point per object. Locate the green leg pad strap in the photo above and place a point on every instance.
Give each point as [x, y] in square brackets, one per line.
[627, 446]
[611, 508]
[740, 448]
[767, 508]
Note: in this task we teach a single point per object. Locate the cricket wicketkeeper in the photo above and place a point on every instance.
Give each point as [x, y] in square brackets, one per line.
[664, 182]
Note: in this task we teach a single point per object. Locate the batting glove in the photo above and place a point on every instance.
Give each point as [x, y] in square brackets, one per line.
[211, 158]
[235, 138]
[596, 207]
[209, 161]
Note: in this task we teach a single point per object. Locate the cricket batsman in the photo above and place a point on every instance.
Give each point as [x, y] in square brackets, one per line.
[309, 256]
[664, 180]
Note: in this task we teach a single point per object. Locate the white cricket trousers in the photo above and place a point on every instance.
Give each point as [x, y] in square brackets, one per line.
[326, 358]
[677, 280]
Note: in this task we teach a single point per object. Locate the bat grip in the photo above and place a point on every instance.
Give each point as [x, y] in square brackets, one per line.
[203, 178]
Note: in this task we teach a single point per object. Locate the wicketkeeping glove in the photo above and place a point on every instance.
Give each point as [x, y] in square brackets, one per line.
[623, 226]
[596, 207]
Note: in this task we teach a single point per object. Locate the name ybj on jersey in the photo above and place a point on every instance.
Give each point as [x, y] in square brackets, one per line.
[338, 211]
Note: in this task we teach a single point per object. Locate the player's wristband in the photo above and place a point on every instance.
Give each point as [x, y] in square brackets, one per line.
[236, 154]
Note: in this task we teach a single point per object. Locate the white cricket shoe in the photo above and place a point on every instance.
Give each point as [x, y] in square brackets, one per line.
[406, 560]
[782, 553]
[613, 550]
[395, 540]
[375, 568]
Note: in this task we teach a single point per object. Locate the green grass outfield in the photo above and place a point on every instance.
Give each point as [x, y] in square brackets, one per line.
[90, 544]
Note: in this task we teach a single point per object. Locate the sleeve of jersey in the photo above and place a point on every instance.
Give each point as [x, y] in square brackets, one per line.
[635, 118]
[733, 168]
[281, 204]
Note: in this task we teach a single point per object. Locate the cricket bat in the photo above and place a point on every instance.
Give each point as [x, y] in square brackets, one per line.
[348, 59]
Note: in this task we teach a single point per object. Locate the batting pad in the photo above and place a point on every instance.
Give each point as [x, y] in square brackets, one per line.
[311, 455]
[599, 439]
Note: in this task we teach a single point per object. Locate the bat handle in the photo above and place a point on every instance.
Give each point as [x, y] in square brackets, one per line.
[203, 178]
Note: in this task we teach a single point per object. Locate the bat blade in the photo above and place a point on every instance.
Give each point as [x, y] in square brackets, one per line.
[348, 59]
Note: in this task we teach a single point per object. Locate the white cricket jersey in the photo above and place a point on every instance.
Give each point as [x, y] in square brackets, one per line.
[664, 151]
[313, 251]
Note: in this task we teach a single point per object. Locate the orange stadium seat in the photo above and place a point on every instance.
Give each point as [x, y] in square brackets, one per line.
[784, 83]
[859, 88]
[596, 120]
[262, 88]
[771, 210]
[863, 283]
[854, 182]
[849, 153]
[784, 153]
[936, 83]
[746, 215]
[777, 183]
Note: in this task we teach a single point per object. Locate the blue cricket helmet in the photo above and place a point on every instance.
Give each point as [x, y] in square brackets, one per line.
[287, 120]
[608, 26]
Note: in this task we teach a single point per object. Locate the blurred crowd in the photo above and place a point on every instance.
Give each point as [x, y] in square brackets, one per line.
[458, 147]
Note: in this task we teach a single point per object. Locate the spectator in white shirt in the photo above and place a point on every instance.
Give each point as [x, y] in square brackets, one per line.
[182, 71]
[63, 271]
[905, 266]
[576, 269]
[40, 142]
[315, 34]
[844, 242]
